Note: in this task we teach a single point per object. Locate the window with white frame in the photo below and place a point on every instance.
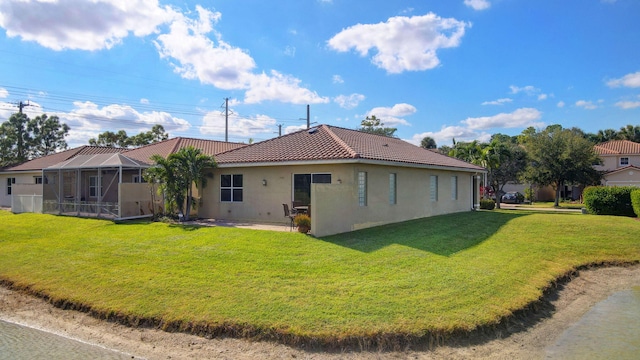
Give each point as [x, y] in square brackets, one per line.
[10, 182]
[231, 188]
[93, 186]
[624, 161]
[433, 188]
[454, 188]
[392, 188]
[37, 179]
[362, 188]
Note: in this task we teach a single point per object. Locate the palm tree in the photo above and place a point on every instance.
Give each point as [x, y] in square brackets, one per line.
[165, 173]
[192, 166]
[630, 132]
[428, 143]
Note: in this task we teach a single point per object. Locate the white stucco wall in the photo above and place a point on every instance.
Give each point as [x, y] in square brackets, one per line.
[21, 178]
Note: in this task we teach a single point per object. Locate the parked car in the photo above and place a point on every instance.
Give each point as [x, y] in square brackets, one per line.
[512, 197]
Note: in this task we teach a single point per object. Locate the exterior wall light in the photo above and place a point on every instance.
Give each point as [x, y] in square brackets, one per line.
[264, 182]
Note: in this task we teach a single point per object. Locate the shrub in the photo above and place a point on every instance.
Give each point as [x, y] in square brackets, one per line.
[303, 222]
[609, 200]
[635, 201]
[487, 204]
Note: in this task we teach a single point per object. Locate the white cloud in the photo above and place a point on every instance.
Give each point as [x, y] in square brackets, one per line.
[290, 51]
[523, 117]
[628, 104]
[226, 67]
[280, 87]
[213, 123]
[589, 105]
[543, 96]
[402, 43]
[448, 133]
[560, 104]
[80, 24]
[144, 101]
[337, 79]
[3, 93]
[87, 120]
[349, 101]
[391, 116]
[629, 80]
[477, 4]
[529, 90]
[498, 102]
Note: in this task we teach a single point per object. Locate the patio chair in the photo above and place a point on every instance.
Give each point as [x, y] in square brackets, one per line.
[290, 214]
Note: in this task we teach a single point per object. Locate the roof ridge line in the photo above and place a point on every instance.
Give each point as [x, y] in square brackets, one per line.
[341, 142]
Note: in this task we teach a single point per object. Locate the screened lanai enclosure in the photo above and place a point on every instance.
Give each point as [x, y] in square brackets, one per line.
[103, 185]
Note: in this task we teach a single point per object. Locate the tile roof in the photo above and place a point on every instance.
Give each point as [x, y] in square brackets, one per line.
[167, 147]
[624, 168]
[326, 142]
[49, 160]
[617, 147]
[97, 161]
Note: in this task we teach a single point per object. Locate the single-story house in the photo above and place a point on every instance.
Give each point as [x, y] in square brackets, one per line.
[620, 162]
[26, 178]
[349, 180]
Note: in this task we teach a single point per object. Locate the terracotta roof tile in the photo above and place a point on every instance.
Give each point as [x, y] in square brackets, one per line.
[167, 147]
[334, 143]
[617, 147]
[49, 160]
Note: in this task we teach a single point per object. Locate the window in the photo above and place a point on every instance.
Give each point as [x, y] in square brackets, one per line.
[10, 182]
[362, 188]
[454, 188]
[302, 185]
[624, 161]
[433, 188]
[392, 188]
[93, 186]
[231, 188]
[37, 179]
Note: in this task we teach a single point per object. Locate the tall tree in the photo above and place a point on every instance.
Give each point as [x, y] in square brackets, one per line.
[560, 156]
[48, 135]
[22, 139]
[428, 143]
[373, 125]
[505, 163]
[630, 132]
[121, 139]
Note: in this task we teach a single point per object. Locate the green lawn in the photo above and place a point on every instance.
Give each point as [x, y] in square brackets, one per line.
[432, 275]
[550, 204]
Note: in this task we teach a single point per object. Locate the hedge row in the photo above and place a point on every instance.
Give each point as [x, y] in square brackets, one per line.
[635, 201]
[609, 200]
[487, 204]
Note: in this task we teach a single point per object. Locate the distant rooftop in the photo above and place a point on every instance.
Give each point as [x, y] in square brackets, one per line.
[618, 147]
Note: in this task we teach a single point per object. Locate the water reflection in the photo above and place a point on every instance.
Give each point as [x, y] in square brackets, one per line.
[610, 330]
[19, 342]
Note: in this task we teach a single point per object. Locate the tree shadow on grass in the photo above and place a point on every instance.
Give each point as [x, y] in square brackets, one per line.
[442, 235]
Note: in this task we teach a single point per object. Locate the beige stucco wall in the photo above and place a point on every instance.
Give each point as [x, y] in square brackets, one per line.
[623, 178]
[21, 178]
[612, 162]
[335, 206]
[135, 199]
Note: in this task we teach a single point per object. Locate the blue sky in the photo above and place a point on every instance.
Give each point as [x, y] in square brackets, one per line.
[462, 69]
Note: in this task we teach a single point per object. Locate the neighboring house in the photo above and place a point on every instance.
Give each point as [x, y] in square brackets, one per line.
[620, 162]
[350, 179]
[27, 177]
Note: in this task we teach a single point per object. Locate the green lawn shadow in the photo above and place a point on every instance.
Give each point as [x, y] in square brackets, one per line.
[442, 235]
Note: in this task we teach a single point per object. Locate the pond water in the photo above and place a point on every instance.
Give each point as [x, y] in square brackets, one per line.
[21, 343]
[610, 330]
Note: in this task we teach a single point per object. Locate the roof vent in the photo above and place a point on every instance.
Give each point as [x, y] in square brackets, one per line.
[313, 131]
[387, 145]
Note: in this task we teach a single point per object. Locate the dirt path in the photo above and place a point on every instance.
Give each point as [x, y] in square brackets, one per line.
[565, 307]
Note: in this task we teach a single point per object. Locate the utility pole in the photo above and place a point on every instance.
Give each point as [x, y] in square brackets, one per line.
[279, 130]
[226, 119]
[308, 117]
[22, 105]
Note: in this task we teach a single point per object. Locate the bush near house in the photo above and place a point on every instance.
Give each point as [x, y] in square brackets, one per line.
[635, 201]
[487, 204]
[609, 200]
